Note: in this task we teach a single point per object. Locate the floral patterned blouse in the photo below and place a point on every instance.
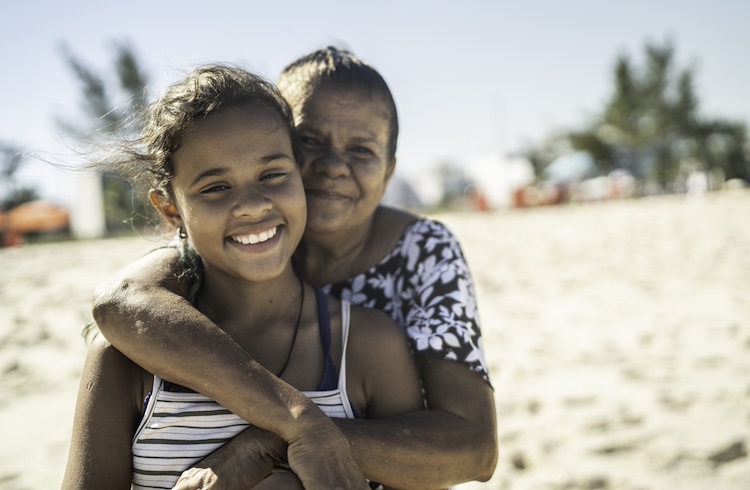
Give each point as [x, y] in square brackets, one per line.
[425, 285]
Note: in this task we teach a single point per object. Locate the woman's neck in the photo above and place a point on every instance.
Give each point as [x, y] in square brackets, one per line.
[330, 258]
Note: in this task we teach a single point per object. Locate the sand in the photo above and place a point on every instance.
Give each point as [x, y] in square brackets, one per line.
[617, 335]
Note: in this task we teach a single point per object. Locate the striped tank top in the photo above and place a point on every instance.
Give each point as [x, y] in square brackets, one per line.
[179, 429]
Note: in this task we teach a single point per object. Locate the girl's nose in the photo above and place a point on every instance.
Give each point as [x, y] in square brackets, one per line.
[252, 202]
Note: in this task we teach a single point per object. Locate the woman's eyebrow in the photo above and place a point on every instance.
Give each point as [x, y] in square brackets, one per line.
[306, 129]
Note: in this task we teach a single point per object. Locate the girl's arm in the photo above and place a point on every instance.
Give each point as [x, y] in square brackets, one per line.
[105, 418]
[142, 311]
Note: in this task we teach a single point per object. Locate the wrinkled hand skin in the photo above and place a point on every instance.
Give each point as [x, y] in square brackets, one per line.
[204, 476]
[199, 478]
[322, 459]
[241, 463]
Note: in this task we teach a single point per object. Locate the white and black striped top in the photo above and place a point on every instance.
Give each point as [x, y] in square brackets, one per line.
[179, 429]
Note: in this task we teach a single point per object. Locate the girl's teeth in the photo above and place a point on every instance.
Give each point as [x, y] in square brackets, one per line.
[252, 239]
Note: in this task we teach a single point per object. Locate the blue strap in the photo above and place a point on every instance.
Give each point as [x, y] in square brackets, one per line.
[330, 378]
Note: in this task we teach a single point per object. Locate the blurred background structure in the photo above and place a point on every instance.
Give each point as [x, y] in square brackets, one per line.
[501, 104]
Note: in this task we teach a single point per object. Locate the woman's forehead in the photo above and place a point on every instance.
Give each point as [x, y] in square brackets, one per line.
[333, 101]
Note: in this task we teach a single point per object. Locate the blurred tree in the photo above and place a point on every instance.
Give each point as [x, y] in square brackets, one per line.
[651, 126]
[111, 107]
[541, 154]
[453, 184]
[13, 193]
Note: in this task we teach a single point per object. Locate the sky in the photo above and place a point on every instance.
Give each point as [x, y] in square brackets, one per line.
[473, 80]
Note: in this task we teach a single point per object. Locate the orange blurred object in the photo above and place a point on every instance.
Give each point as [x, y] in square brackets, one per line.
[32, 217]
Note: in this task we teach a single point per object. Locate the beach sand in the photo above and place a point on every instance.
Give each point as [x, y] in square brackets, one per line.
[617, 335]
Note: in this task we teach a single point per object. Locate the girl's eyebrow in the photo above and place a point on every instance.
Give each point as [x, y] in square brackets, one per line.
[276, 156]
[211, 172]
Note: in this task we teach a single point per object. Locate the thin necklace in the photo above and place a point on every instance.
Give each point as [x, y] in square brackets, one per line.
[296, 327]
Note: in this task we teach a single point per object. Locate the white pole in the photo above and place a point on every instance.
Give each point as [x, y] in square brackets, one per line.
[87, 219]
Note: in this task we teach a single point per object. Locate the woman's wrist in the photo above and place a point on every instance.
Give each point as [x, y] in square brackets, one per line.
[305, 419]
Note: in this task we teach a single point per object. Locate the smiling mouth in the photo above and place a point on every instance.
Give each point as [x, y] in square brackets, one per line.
[252, 238]
[325, 194]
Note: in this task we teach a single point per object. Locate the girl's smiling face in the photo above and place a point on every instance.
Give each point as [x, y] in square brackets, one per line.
[237, 192]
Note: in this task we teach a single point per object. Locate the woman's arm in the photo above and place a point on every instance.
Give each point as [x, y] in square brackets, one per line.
[454, 441]
[381, 379]
[142, 313]
[105, 418]
[239, 464]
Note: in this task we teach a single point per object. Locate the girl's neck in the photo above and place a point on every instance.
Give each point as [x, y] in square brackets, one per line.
[268, 319]
[233, 303]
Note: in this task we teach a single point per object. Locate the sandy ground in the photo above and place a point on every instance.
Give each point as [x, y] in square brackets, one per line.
[617, 334]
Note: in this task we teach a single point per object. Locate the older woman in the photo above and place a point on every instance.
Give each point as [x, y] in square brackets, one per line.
[358, 250]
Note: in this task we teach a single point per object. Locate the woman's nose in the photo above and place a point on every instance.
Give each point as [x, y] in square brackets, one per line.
[332, 163]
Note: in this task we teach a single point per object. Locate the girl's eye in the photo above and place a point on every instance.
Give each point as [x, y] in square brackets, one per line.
[214, 188]
[273, 175]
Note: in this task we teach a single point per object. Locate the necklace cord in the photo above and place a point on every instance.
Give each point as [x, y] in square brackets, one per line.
[296, 327]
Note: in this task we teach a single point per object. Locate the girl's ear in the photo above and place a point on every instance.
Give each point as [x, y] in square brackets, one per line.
[166, 207]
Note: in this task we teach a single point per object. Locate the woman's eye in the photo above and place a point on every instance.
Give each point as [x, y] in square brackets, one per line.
[362, 150]
[310, 141]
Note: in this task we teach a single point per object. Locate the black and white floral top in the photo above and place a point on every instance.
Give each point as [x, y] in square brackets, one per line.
[425, 285]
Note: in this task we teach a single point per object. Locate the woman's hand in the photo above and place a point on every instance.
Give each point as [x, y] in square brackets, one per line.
[321, 458]
[239, 464]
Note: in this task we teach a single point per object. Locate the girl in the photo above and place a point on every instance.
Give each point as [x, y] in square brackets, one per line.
[219, 146]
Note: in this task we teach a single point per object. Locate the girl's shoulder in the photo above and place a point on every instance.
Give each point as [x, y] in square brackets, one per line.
[366, 325]
[381, 374]
[373, 331]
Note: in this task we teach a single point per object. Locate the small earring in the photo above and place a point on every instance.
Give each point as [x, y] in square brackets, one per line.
[181, 233]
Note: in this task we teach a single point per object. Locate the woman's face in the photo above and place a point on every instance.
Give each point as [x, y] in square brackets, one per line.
[238, 192]
[345, 161]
